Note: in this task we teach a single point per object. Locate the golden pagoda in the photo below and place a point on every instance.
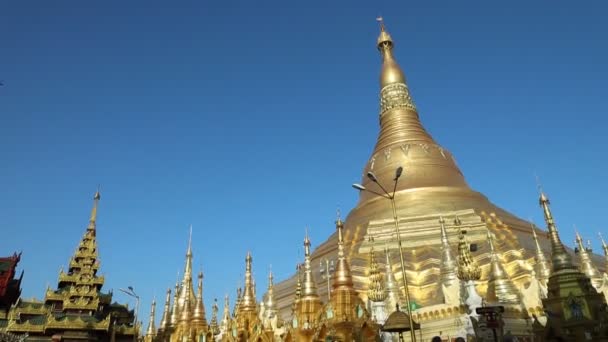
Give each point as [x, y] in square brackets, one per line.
[432, 187]
[575, 310]
[184, 320]
[345, 317]
[77, 309]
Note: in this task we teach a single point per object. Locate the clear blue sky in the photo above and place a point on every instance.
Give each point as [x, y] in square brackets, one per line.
[250, 120]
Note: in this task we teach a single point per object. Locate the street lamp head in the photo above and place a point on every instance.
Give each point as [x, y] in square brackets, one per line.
[359, 187]
[372, 177]
[398, 173]
[130, 288]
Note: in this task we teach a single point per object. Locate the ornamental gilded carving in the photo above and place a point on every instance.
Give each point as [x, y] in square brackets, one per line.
[395, 95]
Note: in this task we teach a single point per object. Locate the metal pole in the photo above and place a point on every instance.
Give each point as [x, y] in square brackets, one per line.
[405, 283]
[136, 330]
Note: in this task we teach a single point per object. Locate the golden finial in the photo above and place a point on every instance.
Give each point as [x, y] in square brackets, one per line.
[306, 243]
[384, 37]
[93, 218]
[391, 72]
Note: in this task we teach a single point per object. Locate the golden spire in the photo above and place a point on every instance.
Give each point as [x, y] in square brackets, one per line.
[586, 264]
[309, 289]
[342, 277]
[402, 137]
[175, 309]
[393, 295]
[376, 291]
[185, 314]
[151, 332]
[559, 256]
[93, 219]
[187, 290]
[605, 248]
[164, 321]
[468, 269]
[541, 265]
[213, 326]
[298, 294]
[449, 265]
[271, 304]
[248, 302]
[225, 323]
[500, 287]
[198, 317]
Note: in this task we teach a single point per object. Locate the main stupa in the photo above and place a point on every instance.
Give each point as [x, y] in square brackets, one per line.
[431, 196]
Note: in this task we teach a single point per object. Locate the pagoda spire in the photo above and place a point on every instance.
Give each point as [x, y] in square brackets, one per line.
[403, 138]
[93, 219]
[586, 265]
[213, 326]
[270, 304]
[309, 287]
[605, 248]
[164, 321]
[248, 301]
[198, 316]
[393, 295]
[500, 287]
[541, 265]
[226, 319]
[175, 308]
[151, 331]
[342, 277]
[82, 292]
[187, 290]
[449, 266]
[560, 258]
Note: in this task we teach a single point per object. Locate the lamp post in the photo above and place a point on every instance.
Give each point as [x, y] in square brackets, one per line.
[130, 292]
[391, 198]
